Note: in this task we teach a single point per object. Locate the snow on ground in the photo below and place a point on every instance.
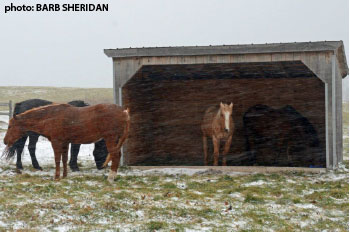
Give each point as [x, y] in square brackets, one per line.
[255, 183]
[45, 155]
[4, 120]
[193, 199]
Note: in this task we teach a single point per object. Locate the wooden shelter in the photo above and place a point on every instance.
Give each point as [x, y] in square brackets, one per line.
[168, 90]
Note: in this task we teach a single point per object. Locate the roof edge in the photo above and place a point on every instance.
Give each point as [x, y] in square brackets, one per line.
[335, 46]
[224, 49]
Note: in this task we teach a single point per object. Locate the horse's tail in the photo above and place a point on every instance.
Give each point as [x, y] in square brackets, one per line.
[9, 152]
[122, 139]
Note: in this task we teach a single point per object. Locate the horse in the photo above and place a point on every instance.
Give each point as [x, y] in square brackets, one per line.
[281, 137]
[62, 124]
[218, 124]
[99, 153]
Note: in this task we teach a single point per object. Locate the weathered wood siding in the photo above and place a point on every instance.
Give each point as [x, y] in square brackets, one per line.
[319, 62]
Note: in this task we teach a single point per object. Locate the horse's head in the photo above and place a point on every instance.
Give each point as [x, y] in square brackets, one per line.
[14, 132]
[226, 115]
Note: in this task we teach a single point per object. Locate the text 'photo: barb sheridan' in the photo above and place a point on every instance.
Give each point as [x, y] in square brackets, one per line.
[71, 7]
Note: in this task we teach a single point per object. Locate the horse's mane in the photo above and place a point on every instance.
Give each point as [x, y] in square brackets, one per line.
[40, 108]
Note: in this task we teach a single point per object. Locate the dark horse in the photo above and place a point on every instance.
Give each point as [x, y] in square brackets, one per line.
[281, 137]
[100, 151]
[63, 124]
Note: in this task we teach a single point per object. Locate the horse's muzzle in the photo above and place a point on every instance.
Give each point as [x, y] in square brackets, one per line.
[226, 130]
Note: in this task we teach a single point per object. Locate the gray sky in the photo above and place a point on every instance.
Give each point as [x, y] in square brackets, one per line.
[66, 48]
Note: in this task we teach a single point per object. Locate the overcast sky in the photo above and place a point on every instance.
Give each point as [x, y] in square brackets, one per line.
[66, 48]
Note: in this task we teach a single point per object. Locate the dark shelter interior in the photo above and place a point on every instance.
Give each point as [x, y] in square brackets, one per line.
[167, 104]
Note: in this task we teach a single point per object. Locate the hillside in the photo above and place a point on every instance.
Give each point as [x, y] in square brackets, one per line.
[55, 94]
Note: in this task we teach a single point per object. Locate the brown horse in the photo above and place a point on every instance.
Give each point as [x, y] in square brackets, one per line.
[218, 124]
[63, 124]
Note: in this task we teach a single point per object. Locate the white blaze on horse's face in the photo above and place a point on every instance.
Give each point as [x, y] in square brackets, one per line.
[226, 111]
[227, 121]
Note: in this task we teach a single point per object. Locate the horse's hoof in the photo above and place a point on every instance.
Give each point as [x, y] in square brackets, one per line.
[38, 168]
[18, 171]
[19, 167]
[111, 176]
[75, 169]
[100, 167]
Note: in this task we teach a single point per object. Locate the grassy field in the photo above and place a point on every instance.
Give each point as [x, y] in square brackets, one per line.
[137, 201]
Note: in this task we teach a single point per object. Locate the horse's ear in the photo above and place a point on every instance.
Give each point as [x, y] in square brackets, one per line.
[221, 105]
[231, 105]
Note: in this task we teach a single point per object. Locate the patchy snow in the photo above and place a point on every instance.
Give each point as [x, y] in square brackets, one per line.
[237, 195]
[174, 171]
[306, 206]
[304, 223]
[239, 224]
[231, 206]
[308, 192]
[4, 118]
[2, 224]
[255, 183]
[62, 228]
[332, 176]
[197, 192]
[181, 185]
[45, 155]
[19, 225]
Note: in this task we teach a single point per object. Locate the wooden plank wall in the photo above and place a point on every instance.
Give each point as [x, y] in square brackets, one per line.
[319, 62]
[167, 115]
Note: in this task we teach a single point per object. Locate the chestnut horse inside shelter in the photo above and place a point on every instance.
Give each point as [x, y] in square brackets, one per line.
[218, 124]
[62, 124]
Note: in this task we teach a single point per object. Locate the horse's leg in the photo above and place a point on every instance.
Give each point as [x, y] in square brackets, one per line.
[226, 150]
[33, 139]
[19, 149]
[65, 159]
[205, 149]
[74, 151]
[114, 166]
[115, 156]
[100, 153]
[57, 147]
[216, 143]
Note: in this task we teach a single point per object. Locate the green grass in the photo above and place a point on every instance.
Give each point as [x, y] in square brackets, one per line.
[155, 225]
